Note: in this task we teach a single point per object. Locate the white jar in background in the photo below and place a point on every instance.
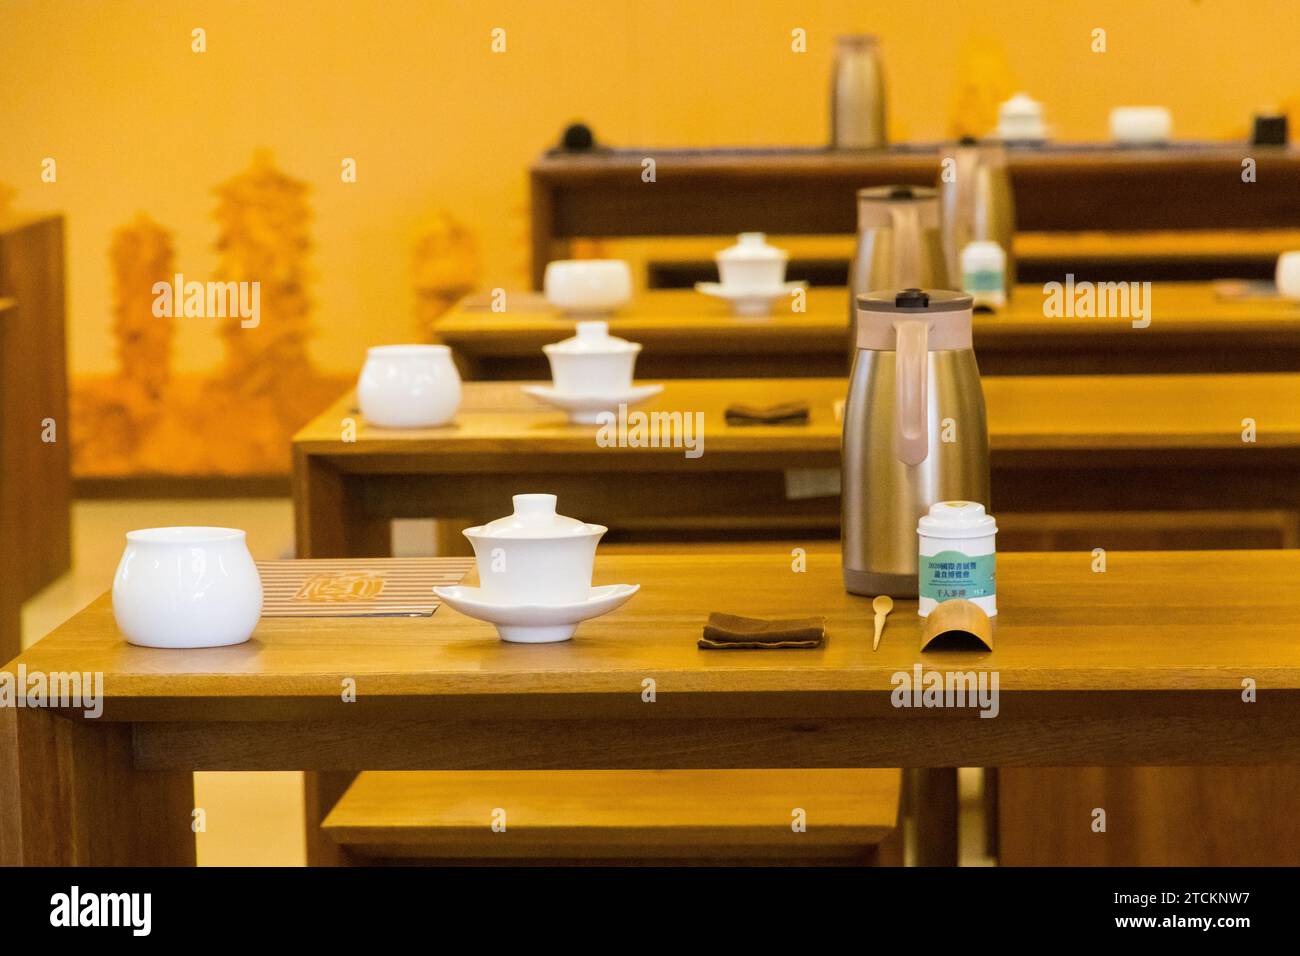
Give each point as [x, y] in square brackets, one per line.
[958, 556]
[409, 386]
[984, 273]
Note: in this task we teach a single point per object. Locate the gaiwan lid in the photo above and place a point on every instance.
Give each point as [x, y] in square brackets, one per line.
[534, 517]
[592, 338]
[752, 246]
[957, 519]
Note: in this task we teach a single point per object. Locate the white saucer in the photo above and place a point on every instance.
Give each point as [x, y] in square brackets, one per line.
[749, 302]
[536, 623]
[586, 409]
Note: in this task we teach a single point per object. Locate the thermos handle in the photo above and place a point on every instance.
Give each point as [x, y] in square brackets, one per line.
[906, 223]
[910, 370]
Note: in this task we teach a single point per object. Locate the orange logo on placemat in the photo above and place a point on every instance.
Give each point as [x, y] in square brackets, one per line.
[353, 586]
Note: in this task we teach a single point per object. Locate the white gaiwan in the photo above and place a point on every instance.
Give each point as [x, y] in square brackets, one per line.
[534, 569]
[1020, 119]
[591, 373]
[592, 362]
[752, 274]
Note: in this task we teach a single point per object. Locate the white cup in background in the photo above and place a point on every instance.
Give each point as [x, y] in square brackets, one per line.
[1288, 275]
[587, 286]
[1137, 125]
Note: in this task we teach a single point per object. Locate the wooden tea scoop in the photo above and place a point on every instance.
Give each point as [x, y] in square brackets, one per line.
[882, 605]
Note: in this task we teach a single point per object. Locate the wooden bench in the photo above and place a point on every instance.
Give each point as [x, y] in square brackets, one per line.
[707, 817]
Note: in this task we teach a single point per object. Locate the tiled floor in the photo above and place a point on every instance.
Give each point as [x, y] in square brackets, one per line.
[256, 819]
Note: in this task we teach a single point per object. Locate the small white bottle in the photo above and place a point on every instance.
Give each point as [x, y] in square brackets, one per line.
[984, 273]
[958, 556]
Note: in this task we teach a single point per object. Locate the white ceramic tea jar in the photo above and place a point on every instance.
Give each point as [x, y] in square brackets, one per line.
[535, 556]
[187, 587]
[958, 556]
[592, 362]
[409, 386]
[751, 264]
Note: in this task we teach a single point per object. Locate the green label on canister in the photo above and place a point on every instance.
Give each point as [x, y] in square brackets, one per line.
[953, 576]
[982, 280]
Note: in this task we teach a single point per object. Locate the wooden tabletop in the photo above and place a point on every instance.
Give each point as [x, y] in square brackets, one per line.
[662, 317]
[1188, 624]
[1025, 413]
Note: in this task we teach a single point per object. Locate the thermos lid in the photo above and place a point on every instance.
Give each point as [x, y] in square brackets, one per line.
[945, 317]
[914, 300]
[897, 194]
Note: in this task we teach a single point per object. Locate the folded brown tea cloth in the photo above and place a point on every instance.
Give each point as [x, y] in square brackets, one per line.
[786, 413]
[726, 631]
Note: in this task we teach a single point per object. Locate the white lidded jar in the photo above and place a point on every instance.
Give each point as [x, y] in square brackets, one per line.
[984, 273]
[958, 556]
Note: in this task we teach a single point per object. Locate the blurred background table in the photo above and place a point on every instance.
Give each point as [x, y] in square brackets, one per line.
[1059, 188]
[1078, 461]
[685, 334]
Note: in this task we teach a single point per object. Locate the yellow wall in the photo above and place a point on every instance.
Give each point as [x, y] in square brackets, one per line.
[136, 121]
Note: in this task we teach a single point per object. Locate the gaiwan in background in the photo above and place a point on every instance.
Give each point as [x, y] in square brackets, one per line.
[958, 557]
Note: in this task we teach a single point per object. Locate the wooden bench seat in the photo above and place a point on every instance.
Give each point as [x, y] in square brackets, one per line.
[620, 817]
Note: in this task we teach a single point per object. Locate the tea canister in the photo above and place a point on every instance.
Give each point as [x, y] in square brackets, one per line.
[957, 559]
[983, 274]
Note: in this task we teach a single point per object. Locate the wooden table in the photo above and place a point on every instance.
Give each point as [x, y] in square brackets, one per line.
[688, 335]
[811, 191]
[1115, 668]
[36, 480]
[1090, 453]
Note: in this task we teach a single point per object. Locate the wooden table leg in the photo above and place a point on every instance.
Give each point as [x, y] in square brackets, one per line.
[934, 806]
[70, 796]
[321, 791]
[328, 521]
[11, 621]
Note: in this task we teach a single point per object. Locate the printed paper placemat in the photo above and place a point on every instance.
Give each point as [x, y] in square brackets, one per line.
[357, 587]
